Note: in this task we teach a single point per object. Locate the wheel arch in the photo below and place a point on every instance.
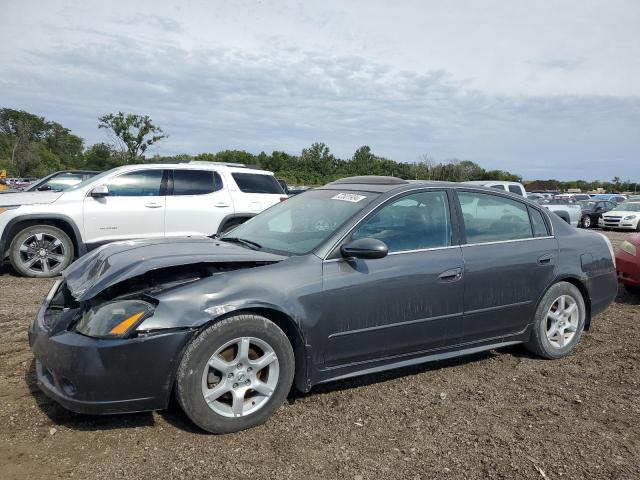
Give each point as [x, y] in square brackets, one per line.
[291, 329]
[234, 218]
[64, 223]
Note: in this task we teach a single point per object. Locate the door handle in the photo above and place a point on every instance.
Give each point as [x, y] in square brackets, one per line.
[451, 275]
[153, 205]
[222, 205]
[545, 259]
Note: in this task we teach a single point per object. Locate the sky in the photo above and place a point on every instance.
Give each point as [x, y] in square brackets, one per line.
[545, 89]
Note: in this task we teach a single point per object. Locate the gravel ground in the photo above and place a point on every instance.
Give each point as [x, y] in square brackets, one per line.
[501, 414]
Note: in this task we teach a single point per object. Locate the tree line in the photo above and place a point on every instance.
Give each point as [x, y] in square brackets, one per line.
[31, 146]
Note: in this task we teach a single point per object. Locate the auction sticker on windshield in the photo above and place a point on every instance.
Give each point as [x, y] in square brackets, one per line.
[348, 197]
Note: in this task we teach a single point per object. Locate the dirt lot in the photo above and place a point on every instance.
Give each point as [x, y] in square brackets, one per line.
[502, 414]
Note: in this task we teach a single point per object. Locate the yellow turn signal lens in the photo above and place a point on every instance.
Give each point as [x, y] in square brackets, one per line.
[126, 324]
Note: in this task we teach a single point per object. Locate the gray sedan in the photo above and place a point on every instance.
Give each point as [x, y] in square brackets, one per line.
[362, 275]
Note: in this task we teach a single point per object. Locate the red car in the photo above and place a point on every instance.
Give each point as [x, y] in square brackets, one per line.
[628, 263]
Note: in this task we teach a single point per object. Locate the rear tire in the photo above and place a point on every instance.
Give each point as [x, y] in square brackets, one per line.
[632, 289]
[231, 224]
[235, 374]
[41, 251]
[559, 322]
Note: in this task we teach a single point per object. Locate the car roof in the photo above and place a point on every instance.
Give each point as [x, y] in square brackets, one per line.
[378, 184]
[202, 165]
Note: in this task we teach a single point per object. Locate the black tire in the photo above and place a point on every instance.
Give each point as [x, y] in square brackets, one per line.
[64, 252]
[586, 221]
[189, 378]
[632, 289]
[539, 343]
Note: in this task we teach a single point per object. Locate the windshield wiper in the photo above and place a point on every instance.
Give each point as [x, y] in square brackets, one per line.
[248, 243]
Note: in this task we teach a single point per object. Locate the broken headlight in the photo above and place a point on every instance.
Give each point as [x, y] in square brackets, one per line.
[114, 319]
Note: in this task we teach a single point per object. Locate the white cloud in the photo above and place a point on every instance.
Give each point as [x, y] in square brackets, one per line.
[541, 88]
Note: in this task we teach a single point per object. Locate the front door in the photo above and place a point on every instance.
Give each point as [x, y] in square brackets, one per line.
[408, 302]
[509, 259]
[134, 208]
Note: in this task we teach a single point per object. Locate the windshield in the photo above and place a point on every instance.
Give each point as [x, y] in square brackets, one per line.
[300, 224]
[90, 180]
[628, 207]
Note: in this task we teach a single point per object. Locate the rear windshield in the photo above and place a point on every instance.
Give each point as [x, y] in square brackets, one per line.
[257, 183]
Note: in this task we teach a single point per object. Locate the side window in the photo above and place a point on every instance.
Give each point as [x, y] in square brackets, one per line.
[144, 183]
[515, 189]
[195, 182]
[539, 226]
[414, 222]
[257, 183]
[490, 218]
[498, 187]
[610, 205]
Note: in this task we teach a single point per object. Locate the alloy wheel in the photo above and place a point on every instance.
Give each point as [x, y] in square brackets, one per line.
[563, 318]
[240, 377]
[42, 252]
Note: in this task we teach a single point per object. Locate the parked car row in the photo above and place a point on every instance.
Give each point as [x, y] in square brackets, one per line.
[360, 276]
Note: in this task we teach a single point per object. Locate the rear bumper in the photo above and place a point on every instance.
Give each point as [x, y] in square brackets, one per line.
[628, 269]
[104, 376]
[603, 290]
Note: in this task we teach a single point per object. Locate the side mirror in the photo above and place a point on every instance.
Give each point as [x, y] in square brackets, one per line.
[100, 191]
[44, 188]
[365, 248]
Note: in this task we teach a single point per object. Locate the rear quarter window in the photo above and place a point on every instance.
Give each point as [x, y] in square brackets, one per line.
[257, 183]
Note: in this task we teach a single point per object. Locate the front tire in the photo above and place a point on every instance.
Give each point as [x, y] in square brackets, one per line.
[41, 251]
[586, 221]
[559, 322]
[235, 374]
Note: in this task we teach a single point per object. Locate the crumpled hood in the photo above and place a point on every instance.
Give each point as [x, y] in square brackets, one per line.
[29, 198]
[119, 261]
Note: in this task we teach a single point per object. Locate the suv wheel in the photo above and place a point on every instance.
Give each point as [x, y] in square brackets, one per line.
[41, 251]
[559, 322]
[235, 374]
[586, 221]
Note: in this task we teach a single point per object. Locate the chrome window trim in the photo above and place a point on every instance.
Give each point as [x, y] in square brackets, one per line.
[507, 241]
[486, 190]
[449, 247]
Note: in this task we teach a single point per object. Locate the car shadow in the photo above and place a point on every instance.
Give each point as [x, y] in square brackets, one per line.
[385, 376]
[60, 416]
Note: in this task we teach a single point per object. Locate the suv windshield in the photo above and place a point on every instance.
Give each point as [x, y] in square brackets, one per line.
[300, 224]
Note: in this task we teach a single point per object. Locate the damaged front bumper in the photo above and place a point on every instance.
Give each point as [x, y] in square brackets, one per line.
[103, 376]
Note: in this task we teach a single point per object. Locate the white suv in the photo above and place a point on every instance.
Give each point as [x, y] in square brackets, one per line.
[42, 232]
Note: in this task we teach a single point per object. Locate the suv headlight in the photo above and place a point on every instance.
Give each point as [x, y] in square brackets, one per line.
[114, 319]
[629, 247]
[629, 217]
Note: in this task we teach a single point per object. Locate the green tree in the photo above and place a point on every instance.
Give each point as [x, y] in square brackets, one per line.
[133, 134]
[20, 130]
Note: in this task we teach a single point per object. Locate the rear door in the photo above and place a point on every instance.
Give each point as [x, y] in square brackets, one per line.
[254, 192]
[406, 302]
[134, 208]
[509, 258]
[197, 202]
